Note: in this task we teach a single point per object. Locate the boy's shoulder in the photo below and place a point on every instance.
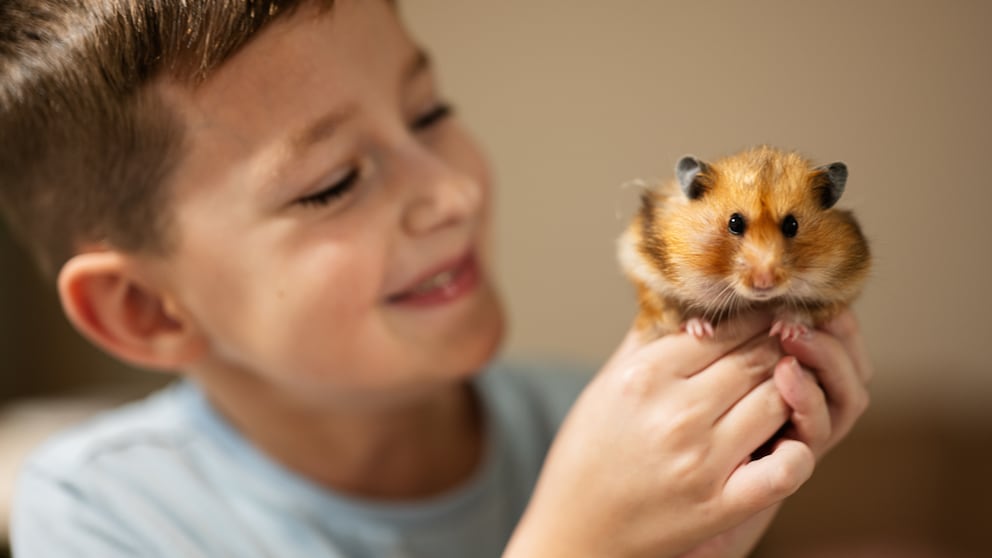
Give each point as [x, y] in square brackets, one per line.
[156, 421]
[165, 420]
[123, 483]
[140, 476]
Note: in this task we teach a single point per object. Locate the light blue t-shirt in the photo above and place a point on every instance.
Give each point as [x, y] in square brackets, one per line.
[169, 477]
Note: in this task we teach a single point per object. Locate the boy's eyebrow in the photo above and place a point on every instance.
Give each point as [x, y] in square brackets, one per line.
[319, 130]
[324, 126]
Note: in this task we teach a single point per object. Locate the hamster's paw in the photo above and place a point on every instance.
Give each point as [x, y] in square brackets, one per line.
[698, 328]
[788, 329]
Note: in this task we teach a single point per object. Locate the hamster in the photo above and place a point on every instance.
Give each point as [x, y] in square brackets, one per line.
[755, 230]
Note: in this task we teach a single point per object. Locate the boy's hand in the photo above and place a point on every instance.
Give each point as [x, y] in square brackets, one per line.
[836, 361]
[822, 412]
[654, 457]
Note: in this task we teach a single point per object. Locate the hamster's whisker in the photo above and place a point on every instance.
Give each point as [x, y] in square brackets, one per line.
[725, 303]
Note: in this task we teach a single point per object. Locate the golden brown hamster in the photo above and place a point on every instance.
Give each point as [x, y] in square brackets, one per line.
[755, 230]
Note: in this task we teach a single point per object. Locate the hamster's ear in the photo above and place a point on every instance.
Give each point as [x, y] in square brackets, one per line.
[829, 183]
[690, 172]
[105, 300]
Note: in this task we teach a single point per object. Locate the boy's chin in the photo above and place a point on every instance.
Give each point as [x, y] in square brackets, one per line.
[476, 346]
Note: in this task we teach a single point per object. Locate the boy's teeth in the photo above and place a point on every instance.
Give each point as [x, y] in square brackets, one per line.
[442, 278]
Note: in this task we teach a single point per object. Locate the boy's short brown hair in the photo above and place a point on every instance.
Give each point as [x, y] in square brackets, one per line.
[85, 142]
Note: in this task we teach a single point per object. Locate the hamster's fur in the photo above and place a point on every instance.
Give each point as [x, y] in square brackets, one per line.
[755, 230]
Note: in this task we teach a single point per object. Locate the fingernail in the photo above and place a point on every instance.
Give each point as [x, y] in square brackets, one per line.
[794, 368]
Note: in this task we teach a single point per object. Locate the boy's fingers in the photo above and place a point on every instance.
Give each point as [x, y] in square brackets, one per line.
[751, 422]
[810, 416]
[846, 329]
[687, 355]
[736, 374]
[760, 483]
[846, 394]
[648, 364]
[825, 354]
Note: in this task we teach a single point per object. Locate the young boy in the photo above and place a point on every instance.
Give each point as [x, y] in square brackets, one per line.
[273, 200]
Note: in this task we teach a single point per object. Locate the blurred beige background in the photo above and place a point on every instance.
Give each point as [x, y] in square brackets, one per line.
[573, 99]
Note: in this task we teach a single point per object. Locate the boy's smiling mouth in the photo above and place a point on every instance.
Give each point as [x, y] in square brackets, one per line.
[443, 284]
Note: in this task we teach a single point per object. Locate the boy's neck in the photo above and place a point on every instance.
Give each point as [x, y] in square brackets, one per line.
[410, 451]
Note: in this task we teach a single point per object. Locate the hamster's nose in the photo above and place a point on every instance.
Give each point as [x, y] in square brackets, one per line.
[762, 280]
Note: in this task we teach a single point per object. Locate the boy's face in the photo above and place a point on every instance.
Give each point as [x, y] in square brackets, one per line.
[332, 217]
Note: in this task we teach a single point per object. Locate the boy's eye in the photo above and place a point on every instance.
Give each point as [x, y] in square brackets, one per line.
[332, 192]
[438, 113]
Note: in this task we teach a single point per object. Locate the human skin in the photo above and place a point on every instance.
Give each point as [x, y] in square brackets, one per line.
[667, 431]
[299, 316]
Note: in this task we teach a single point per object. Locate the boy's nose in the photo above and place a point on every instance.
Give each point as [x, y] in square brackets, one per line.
[440, 194]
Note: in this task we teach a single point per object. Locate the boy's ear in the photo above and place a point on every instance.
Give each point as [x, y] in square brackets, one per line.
[105, 300]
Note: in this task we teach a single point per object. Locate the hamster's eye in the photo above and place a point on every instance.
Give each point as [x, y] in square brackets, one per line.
[736, 224]
[790, 226]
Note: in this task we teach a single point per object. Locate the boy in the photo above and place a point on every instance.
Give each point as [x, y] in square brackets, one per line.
[273, 200]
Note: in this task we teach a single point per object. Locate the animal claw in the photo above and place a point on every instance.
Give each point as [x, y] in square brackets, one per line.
[788, 331]
[699, 328]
